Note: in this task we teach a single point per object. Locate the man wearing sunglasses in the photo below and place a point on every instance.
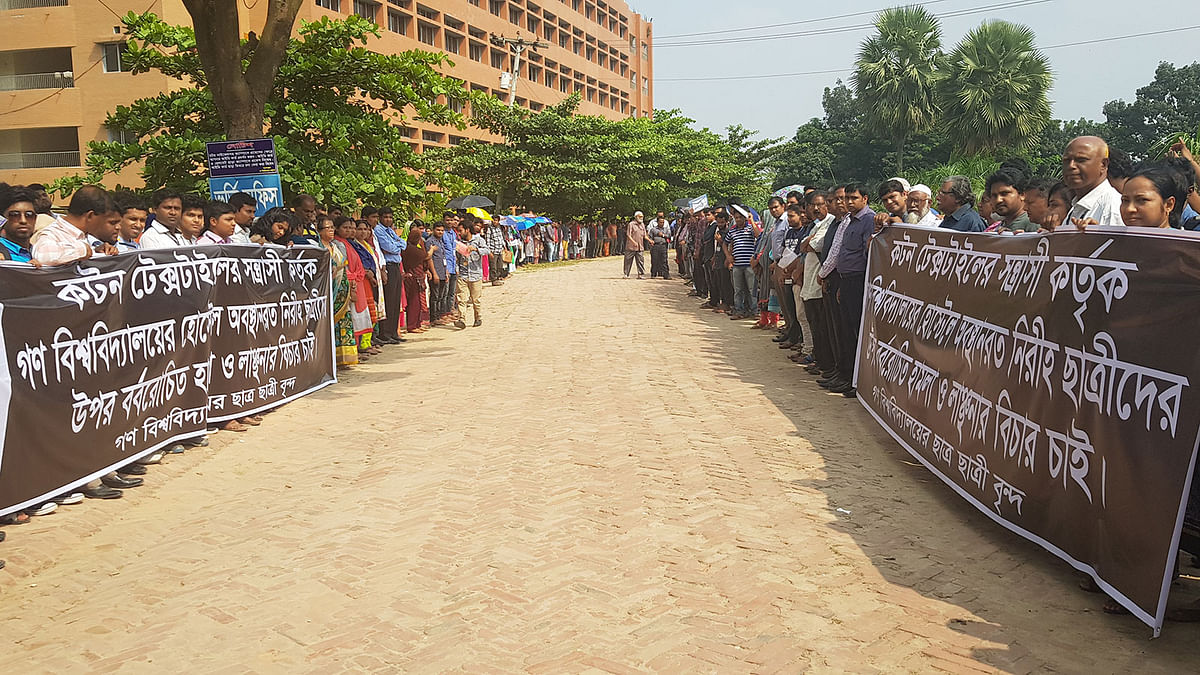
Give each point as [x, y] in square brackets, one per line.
[20, 218]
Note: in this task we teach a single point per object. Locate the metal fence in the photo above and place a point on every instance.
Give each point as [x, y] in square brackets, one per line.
[36, 80]
[38, 160]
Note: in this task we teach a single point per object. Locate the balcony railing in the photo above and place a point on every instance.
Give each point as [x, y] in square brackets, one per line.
[30, 4]
[37, 80]
[38, 160]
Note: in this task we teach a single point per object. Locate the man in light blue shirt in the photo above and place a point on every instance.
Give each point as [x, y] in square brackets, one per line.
[391, 246]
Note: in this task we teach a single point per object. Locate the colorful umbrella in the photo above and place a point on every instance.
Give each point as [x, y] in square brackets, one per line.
[479, 213]
[783, 192]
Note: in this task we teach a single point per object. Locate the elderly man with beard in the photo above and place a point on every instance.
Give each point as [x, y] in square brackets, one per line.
[919, 211]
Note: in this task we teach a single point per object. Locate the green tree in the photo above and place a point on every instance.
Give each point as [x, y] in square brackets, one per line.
[332, 111]
[993, 89]
[894, 74]
[1167, 107]
[572, 166]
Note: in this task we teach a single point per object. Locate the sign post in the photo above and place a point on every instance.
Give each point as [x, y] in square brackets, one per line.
[245, 166]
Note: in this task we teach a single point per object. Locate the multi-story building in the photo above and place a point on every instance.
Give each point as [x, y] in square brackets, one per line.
[61, 70]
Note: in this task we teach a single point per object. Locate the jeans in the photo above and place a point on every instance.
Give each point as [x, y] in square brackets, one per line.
[630, 257]
[743, 287]
[658, 261]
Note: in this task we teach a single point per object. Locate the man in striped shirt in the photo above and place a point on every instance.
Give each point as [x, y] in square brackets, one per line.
[740, 241]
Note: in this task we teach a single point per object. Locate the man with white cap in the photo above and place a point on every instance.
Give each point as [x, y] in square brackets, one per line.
[919, 212]
[635, 239]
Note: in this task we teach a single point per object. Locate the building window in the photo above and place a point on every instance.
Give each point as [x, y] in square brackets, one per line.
[645, 51]
[564, 85]
[455, 140]
[113, 61]
[496, 6]
[514, 15]
[401, 3]
[431, 137]
[331, 5]
[577, 46]
[365, 9]
[551, 79]
[534, 24]
[497, 58]
[535, 74]
[476, 50]
[454, 43]
[563, 39]
[591, 53]
[122, 136]
[426, 12]
[427, 33]
[398, 23]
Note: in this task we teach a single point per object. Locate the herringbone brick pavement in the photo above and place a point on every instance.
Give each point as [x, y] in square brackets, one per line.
[600, 479]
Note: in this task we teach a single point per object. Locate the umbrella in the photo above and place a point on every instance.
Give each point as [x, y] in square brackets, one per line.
[470, 201]
[479, 213]
[782, 192]
[681, 203]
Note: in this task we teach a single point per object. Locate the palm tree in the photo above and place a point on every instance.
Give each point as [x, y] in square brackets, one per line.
[895, 73]
[992, 89]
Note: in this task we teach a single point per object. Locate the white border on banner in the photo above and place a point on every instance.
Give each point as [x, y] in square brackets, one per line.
[5, 387]
[1155, 622]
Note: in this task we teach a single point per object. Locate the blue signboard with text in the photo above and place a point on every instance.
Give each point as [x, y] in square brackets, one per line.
[265, 188]
[248, 166]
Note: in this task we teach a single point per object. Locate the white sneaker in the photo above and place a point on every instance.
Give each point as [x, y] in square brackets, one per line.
[44, 509]
[153, 458]
[69, 499]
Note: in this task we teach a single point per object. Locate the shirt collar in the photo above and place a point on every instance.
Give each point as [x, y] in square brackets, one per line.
[1090, 200]
[961, 212]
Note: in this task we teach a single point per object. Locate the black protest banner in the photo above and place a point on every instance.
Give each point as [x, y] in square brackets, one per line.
[1051, 381]
[109, 359]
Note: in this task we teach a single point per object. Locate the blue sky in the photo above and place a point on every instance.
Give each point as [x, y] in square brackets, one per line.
[1085, 76]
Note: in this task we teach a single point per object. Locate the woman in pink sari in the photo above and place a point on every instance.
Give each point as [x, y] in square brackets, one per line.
[360, 307]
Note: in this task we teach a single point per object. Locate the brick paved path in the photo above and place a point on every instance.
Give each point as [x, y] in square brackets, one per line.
[601, 479]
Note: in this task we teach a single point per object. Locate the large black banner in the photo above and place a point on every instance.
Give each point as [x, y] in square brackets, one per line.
[1050, 380]
[109, 359]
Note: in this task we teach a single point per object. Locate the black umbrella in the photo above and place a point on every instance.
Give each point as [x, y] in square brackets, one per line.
[682, 203]
[470, 202]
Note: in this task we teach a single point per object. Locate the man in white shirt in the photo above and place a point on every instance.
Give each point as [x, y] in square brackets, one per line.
[244, 208]
[163, 231]
[810, 294]
[1085, 172]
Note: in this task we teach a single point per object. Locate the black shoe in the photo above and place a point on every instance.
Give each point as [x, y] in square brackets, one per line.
[787, 345]
[460, 324]
[812, 370]
[102, 492]
[842, 389]
[850, 393]
[827, 379]
[835, 383]
[400, 339]
[121, 483]
[134, 469]
[779, 338]
[477, 324]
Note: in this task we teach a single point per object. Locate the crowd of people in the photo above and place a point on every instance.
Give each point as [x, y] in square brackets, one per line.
[804, 262]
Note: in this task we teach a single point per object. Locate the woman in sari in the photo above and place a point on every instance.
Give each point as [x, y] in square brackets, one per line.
[364, 328]
[359, 309]
[343, 294]
[415, 259]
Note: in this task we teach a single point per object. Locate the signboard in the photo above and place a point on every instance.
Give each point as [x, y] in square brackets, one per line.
[109, 359]
[246, 166]
[265, 188]
[241, 158]
[698, 204]
[1050, 381]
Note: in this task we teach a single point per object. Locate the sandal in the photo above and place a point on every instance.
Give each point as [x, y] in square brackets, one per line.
[233, 425]
[249, 421]
[16, 518]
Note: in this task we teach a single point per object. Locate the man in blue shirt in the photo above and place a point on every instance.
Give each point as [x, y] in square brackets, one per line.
[391, 246]
[20, 217]
[449, 246]
[956, 199]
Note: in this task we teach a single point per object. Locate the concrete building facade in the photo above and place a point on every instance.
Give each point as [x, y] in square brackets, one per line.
[61, 70]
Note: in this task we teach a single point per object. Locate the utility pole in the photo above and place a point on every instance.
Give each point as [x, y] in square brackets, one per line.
[517, 45]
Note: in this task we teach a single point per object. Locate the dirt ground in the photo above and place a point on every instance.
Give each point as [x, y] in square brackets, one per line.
[599, 479]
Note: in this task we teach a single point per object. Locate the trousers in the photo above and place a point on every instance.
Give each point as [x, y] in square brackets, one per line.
[822, 351]
[390, 326]
[787, 303]
[470, 293]
[851, 302]
[743, 288]
[630, 258]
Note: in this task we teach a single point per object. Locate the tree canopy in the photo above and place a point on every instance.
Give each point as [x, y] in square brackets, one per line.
[578, 166]
[334, 111]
